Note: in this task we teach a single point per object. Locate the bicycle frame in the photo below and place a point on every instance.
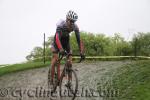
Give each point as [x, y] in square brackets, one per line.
[65, 67]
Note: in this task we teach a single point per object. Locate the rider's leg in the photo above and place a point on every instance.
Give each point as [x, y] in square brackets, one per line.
[58, 70]
[70, 67]
[69, 60]
[53, 61]
[69, 63]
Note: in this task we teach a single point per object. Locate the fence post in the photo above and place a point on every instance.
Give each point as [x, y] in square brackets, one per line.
[135, 47]
[44, 49]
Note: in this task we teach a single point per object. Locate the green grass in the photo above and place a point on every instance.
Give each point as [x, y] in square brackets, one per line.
[113, 58]
[133, 81]
[21, 67]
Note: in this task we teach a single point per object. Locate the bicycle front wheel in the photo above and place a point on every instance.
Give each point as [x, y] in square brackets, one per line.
[68, 85]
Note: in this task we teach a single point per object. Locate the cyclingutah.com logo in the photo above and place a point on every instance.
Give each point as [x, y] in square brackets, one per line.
[41, 92]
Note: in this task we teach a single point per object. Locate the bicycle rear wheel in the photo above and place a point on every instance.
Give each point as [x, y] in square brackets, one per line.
[68, 89]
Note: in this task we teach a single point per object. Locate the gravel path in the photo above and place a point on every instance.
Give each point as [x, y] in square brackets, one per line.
[32, 84]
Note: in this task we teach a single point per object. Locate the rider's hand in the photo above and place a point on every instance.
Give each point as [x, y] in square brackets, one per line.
[62, 52]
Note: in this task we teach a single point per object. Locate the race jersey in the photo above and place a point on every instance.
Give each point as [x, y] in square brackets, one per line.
[62, 33]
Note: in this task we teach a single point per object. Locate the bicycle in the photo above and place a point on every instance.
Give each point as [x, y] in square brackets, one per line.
[64, 82]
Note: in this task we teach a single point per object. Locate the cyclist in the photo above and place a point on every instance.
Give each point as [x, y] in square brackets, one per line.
[61, 40]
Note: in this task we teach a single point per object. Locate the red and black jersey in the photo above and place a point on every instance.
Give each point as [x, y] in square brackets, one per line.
[62, 34]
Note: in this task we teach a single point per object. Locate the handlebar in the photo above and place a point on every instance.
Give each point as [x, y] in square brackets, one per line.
[68, 54]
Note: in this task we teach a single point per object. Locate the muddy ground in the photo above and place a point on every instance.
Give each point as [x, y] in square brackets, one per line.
[32, 84]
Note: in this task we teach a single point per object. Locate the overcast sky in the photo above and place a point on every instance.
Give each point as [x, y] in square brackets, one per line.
[23, 22]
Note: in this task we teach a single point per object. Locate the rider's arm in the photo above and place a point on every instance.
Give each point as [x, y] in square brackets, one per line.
[58, 37]
[77, 33]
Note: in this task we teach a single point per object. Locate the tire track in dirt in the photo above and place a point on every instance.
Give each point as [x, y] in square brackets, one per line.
[89, 74]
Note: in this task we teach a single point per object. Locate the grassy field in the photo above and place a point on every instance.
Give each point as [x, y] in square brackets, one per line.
[21, 67]
[133, 82]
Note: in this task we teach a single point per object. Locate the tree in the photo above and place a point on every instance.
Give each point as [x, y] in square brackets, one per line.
[36, 53]
[142, 41]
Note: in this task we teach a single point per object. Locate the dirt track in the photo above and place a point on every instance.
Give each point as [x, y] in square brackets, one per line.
[30, 84]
